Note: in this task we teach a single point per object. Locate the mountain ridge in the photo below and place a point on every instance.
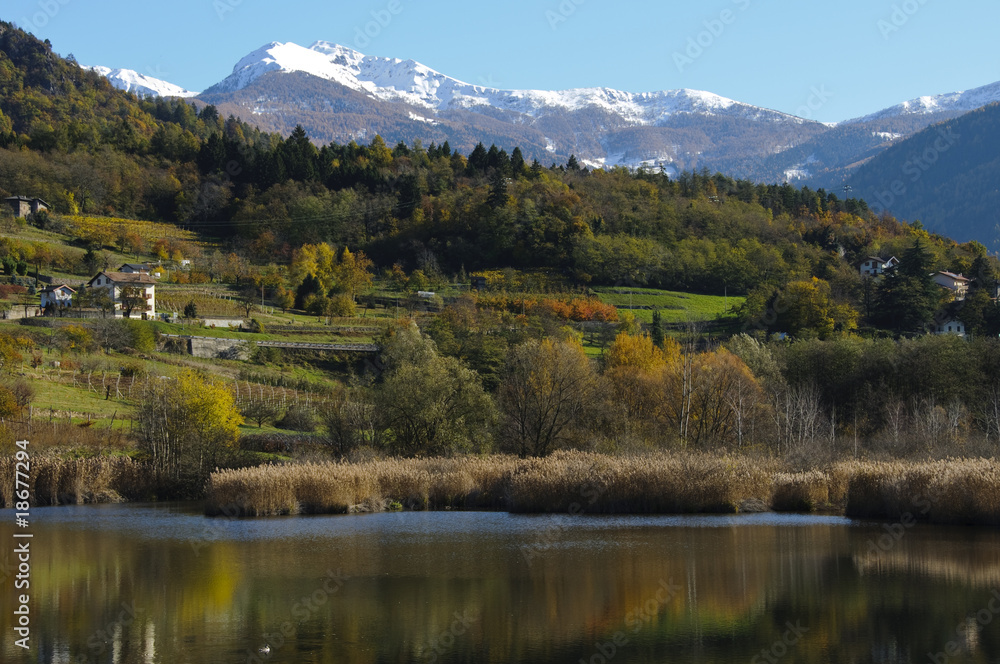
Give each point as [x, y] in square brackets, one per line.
[667, 130]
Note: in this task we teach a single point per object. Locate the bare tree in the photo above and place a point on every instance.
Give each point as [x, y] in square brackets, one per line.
[547, 390]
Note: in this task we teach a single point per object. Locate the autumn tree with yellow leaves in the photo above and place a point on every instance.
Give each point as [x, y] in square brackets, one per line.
[186, 424]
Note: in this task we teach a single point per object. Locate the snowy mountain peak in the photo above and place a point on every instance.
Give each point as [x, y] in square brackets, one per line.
[410, 82]
[955, 102]
[140, 84]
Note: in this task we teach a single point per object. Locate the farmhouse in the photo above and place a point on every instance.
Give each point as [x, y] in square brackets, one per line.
[134, 268]
[873, 266]
[55, 298]
[956, 283]
[949, 326]
[23, 206]
[141, 287]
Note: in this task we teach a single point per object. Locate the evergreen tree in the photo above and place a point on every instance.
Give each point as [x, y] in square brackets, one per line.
[478, 160]
[517, 165]
[656, 332]
[908, 297]
[498, 190]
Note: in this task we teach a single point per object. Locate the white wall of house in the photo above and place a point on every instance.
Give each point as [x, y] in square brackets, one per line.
[149, 291]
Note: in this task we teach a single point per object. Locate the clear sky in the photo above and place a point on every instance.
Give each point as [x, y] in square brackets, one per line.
[845, 58]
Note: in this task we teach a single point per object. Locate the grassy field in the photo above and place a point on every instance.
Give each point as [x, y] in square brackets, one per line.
[675, 307]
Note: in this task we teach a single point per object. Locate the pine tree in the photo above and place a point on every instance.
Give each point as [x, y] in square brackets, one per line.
[908, 297]
[656, 331]
[478, 160]
[498, 190]
[517, 165]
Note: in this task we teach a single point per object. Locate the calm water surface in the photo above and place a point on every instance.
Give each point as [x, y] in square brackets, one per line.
[164, 584]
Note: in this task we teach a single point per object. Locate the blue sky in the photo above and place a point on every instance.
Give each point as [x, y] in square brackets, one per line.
[859, 55]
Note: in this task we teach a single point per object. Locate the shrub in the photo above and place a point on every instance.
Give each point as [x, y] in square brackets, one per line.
[341, 306]
[298, 418]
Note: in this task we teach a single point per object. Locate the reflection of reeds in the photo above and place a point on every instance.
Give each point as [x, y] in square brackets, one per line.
[55, 481]
[593, 483]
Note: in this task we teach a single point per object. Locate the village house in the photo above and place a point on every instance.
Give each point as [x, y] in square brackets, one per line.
[142, 268]
[56, 297]
[873, 266]
[956, 283]
[115, 282]
[949, 326]
[23, 206]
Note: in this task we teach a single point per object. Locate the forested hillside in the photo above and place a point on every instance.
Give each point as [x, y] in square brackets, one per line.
[945, 176]
[71, 139]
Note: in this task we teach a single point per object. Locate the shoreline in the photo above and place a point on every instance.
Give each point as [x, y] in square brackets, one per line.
[950, 491]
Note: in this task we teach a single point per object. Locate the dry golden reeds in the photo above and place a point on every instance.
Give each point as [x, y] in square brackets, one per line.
[800, 492]
[56, 481]
[950, 491]
[574, 482]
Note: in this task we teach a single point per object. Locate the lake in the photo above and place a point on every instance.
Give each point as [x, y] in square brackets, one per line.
[161, 583]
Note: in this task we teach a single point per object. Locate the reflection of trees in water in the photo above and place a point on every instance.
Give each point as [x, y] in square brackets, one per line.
[738, 587]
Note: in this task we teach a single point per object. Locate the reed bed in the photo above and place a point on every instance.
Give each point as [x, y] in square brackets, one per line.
[800, 492]
[56, 481]
[950, 491]
[573, 482]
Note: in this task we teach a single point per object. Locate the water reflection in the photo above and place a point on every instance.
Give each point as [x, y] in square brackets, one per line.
[142, 584]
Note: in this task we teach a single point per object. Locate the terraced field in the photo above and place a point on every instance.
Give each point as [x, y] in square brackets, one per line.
[676, 307]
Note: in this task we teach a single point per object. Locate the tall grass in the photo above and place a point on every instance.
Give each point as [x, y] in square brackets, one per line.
[57, 481]
[950, 491]
[573, 482]
[961, 491]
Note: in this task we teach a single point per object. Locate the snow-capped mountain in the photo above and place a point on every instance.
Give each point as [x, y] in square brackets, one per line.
[140, 84]
[954, 104]
[407, 81]
[339, 94]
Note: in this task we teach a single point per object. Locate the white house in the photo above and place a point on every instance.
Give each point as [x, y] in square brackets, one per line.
[949, 326]
[57, 297]
[956, 283]
[873, 266]
[116, 281]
